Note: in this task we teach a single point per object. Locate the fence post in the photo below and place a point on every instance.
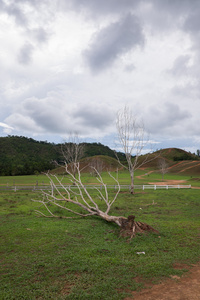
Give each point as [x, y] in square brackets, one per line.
[154, 187]
[143, 187]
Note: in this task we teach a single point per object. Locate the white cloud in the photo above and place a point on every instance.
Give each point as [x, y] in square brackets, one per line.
[6, 128]
[5, 125]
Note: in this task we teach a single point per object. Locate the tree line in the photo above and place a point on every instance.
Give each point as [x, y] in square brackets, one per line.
[25, 156]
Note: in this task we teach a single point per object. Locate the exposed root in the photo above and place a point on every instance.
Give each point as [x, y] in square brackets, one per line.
[129, 227]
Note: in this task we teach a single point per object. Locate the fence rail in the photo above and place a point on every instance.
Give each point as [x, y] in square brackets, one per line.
[122, 187]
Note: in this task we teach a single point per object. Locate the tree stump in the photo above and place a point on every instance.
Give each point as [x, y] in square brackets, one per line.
[129, 227]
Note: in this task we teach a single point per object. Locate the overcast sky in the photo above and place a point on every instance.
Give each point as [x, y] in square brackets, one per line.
[70, 65]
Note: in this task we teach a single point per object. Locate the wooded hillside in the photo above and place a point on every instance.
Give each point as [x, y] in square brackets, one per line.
[25, 156]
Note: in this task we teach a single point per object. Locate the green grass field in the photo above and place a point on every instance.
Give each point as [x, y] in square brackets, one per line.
[123, 177]
[85, 258]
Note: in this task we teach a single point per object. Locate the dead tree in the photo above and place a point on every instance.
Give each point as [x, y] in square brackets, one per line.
[131, 136]
[163, 167]
[78, 200]
[96, 164]
[73, 151]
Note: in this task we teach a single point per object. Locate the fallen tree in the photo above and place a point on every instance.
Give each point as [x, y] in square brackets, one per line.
[78, 200]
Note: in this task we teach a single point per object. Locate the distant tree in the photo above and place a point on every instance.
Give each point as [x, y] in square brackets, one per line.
[96, 164]
[198, 152]
[131, 136]
[73, 151]
[163, 167]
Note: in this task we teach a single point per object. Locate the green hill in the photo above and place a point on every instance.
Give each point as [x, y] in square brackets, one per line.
[25, 156]
[176, 154]
[100, 162]
[177, 160]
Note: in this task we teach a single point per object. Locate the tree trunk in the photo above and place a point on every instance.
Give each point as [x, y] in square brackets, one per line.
[132, 182]
[129, 227]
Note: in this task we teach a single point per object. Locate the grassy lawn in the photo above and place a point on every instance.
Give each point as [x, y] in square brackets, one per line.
[24, 180]
[84, 258]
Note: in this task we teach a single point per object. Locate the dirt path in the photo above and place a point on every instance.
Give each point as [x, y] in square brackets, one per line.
[142, 176]
[189, 168]
[186, 287]
[169, 182]
[179, 163]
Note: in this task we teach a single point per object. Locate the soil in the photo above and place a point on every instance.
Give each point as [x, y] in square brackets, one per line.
[186, 287]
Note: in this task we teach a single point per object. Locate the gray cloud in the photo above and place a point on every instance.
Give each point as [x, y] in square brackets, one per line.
[164, 16]
[192, 23]
[2, 6]
[91, 116]
[166, 119]
[192, 27]
[186, 91]
[23, 19]
[46, 113]
[110, 42]
[39, 34]
[22, 123]
[15, 11]
[175, 7]
[129, 68]
[62, 96]
[57, 116]
[103, 7]
[180, 67]
[25, 54]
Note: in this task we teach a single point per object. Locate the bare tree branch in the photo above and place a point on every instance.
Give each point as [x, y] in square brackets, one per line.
[61, 193]
[132, 138]
[73, 151]
[163, 167]
[76, 198]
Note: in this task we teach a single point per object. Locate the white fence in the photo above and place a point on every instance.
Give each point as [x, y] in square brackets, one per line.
[166, 187]
[122, 187]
